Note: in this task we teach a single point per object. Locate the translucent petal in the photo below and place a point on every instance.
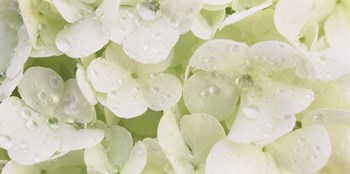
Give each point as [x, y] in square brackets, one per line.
[73, 139]
[8, 85]
[20, 53]
[337, 27]
[240, 15]
[137, 159]
[119, 143]
[170, 138]
[336, 122]
[107, 13]
[33, 146]
[127, 21]
[154, 68]
[272, 56]
[305, 150]
[310, 34]
[127, 101]
[96, 160]
[230, 157]
[6, 33]
[199, 128]
[73, 105]
[82, 38]
[14, 168]
[106, 76]
[270, 109]
[71, 11]
[41, 88]
[151, 42]
[211, 93]
[156, 159]
[330, 64]
[161, 91]
[84, 85]
[11, 111]
[291, 16]
[201, 28]
[223, 56]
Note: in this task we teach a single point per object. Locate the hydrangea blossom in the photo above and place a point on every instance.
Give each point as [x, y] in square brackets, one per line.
[230, 70]
[132, 87]
[50, 120]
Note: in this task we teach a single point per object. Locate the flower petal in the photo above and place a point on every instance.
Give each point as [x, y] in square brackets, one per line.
[151, 43]
[211, 93]
[41, 88]
[82, 38]
[96, 160]
[161, 91]
[230, 157]
[156, 159]
[71, 11]
[14, 168]
[137, 159]
[199, 128]
[127, 101]
[223, 56]
[306, 150]
[33, 146]
[73, 139]
[106, 76]
[73, 105]
[271, 109]
[337, 27]
[8, 85]
[84, 85]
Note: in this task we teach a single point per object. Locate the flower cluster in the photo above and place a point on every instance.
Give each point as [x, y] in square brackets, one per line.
[174, 86]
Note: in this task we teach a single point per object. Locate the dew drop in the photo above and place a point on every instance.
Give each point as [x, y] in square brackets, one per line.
[79, 126]
[244, 82]
[158, 36]
[5, 141]
[148, 9]
[41, 95]
[31, 125]
[251, 111]
[54, 82]
[42, 26]
[155, 89]
[210, 60]
[53, 123]
[26, 114]
[214, 90]
[145, 46]
[63, 44]
[93, 72]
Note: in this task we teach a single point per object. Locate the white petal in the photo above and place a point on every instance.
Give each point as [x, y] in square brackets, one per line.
[73, 139]
[240, 15]
[201, 28]
[14, 168]
[331, 63]
[41, 88]
[151, 43]
[33, 146]
[230, 157]
[161, 91]
[154, 68]
[127, 21]
[73, 105]
[96, 160]
[199, 128]
[106, 76]
[137, 159]
[156, 159]
[337, 27]
[170, 138]
[270, 109]
[84, 85]
[8, 85]
[305, 150]
[291, 16]
[82, 38]
[224, 56]
[127, 101]
[211, 93]
[71, 11]
[11, 111]
[119, 143]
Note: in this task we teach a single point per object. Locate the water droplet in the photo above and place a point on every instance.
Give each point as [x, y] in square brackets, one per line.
[155, 89]
[5, 141]
[145, 46]
[63, 44]
[31, 125]
[44, 7]
[26, 114]
[158, 36]
[251, 111]
[233, 48]
[93, 72]
[214, 90]
[42, 26]
[301, 141]
[72, 106]
[41, 95]
[323, 58]
[53, 123]
[210, 60]
[79, 126]
[99, 12]
[153, 76]
[23, 145]
[244, 82]
[204, 93]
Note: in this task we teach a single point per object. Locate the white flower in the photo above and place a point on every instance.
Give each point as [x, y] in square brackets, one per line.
[187, 145]
[230, 70]
[14, 45]
[149, 29]
[305, 150]
[336, 122]
[50, 120]
[129, 87]
[71, 163]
